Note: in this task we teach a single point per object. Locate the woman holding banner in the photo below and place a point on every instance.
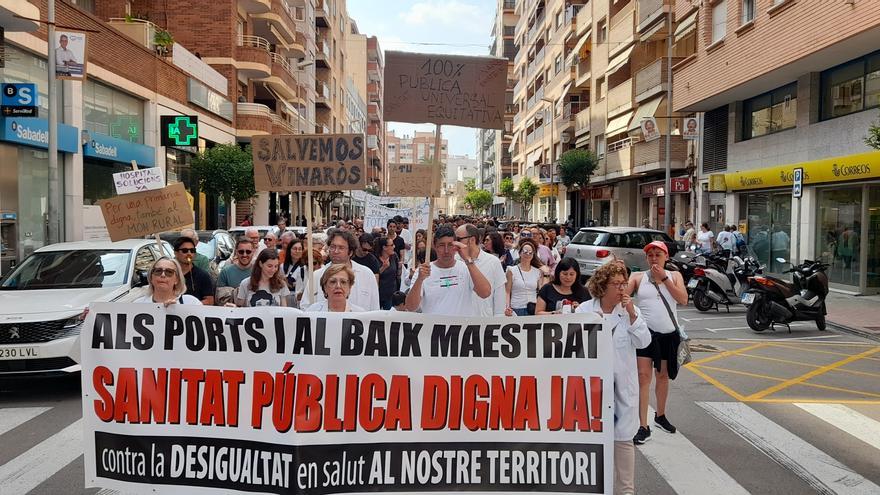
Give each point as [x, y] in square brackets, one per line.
[336, 282]
[166, 284]
[611, 300]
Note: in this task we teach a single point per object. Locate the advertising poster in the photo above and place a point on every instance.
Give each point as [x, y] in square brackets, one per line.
[70, 55]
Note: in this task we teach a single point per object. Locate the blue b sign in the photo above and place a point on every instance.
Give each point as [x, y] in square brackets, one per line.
[19, 100]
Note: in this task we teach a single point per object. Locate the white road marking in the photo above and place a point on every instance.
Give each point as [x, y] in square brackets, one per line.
[711, 318]
[713, 330]
[685, 467]
[803, 340]
[25, 472]
[822, 472]
[14, 416]
[853, 422]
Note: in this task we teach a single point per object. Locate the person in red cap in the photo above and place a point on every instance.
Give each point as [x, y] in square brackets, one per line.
[658, 292]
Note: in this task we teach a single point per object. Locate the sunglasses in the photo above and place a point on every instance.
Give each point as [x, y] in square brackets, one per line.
[186, 250]
[244, 251]
[527, 251]
[268, 238]
[164, 272]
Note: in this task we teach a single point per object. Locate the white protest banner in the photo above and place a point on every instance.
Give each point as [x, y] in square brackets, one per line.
[145, 179]
[200, 399]
[419, 218]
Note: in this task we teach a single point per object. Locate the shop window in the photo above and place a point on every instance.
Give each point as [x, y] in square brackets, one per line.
[851, 87]
[109, 111]
[768, 217]
[98, 179]
[839, 229]
[771, 112]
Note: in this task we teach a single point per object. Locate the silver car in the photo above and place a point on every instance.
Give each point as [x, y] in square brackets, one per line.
[592, 247]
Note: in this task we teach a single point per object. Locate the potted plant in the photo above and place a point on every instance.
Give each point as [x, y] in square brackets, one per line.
[163, 41]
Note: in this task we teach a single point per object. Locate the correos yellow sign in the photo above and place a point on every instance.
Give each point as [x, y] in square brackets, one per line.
[837, 169]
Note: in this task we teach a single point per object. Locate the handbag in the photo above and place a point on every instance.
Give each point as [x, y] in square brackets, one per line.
[683, 354]
[530, 307]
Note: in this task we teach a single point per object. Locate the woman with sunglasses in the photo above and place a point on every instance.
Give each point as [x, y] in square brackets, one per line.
[166, 284]
[524, 280]
[266, 286]
[566, 290]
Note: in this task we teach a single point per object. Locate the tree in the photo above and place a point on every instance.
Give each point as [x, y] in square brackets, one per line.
[525, 193]
[324, 200]
[478, 200]
[226, 171]
[873, 137]
[576, 167]
[470, 185]
[507, 190]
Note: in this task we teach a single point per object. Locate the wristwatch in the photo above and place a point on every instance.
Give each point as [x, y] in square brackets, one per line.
[665, 278]
[468, 262]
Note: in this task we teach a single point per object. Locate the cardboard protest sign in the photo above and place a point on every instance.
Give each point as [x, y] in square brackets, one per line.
[309, 162]
[145, 179]
[411, 179]
[135, 215]
[445, 89]
[200, 399]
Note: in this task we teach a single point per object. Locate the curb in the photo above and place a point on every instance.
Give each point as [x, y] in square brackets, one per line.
[854, 331]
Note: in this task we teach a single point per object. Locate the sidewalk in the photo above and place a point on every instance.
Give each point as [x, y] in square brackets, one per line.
[858, 314]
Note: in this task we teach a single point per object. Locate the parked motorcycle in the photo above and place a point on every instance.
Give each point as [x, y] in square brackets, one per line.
[712, 286]
[773, 301]
[685, 262]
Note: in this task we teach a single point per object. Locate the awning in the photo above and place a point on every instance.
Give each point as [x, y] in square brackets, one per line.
[617, 62]
[513, 143]
[654, 30]
[618, 124]
[646, 109]
[687, 25]
[534, 157]
[583, 141]
[582, 43]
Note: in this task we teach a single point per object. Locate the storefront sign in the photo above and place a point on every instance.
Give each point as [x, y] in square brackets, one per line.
[837, 169]
[445, 89]
[411, 180]
[680, 185]
[548, 190]
[135, 215]
[309, 162]
[179, 130]
[19, 100]
[106, 147]
[199, 399]
[209, 99]
[598, 193]
[717, 182]
[652, 189]
[35, 132]
[132, 181]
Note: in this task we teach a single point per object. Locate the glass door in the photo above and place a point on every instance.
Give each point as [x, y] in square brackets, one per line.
[873, 235]
[839, 236]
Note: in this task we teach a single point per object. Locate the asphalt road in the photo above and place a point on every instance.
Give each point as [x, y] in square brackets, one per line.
[776, 412]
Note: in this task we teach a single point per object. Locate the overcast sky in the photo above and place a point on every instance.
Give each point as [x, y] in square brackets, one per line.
[452, 27]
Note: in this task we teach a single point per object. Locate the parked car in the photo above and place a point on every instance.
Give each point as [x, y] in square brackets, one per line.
[44, 300]
[592, 247]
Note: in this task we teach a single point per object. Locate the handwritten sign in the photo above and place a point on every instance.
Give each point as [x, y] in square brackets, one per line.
[309, 162]
[132, 181]
[135, 215]
[445, 89]
[410, 179]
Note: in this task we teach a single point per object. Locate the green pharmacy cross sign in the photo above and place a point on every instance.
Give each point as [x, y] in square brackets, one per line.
[179, 130]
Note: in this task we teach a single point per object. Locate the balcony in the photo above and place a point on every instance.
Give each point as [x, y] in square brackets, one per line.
[582, 73]
[568, 116]
[619, 159]
[651, 80]
[584, 20]
[650, 11]
[651, 156]
[322, 15]
[322, 95]
[509, 6]
[323, 57]
[255, 6]
[622, 32]
[252, 119]
[321, 129]
[620, 98]
[282, 126]
[373, 71]
[298, 47]
[373, 92]
[511, 109]
[252, 57]
[283, 79]
[582, 122]
[373, 110]
[279, 21]
[142, 31]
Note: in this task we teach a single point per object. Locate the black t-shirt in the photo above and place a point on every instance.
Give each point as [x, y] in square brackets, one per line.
[199, 283]
[399, 245]
[388, 280]
[369, 261]
[553, 299]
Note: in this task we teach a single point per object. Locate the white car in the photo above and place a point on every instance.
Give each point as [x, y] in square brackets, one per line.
[45, 299]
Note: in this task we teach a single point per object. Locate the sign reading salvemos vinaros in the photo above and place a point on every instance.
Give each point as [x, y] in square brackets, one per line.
[199, 399]
[131, 216]
[309, 162]
[445, 89]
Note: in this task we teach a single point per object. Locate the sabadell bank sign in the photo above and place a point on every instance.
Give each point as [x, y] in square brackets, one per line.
[105, 151]
[35, 132]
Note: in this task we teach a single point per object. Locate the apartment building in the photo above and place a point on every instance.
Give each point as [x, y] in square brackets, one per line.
[493, 154]
[418, 148]
[589, 72]
[806, 104]
[105, 122]
[376, 122]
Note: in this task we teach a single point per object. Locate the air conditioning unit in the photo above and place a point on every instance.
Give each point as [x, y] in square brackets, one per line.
[372, 142]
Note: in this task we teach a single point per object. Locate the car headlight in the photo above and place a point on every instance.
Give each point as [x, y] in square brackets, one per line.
[76, 321]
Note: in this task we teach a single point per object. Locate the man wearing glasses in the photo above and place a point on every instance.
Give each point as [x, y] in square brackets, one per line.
[198, 282]
[233, 273]
[447, 286]
[341, 246]
[489, 265]
[254, 236]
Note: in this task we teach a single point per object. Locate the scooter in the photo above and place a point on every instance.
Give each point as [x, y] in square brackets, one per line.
[772, 301]
[712, 286]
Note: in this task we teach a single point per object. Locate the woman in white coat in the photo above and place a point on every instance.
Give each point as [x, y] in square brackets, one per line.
[608, 286]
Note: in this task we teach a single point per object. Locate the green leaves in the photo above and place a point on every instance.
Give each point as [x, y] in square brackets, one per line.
[576, 167]
[525, 193]
[478, 200]
[873, 138]
[227, 171]
[506, 188]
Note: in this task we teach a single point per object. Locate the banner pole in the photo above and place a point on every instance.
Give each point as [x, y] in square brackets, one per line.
[308, 211]
[435, 179]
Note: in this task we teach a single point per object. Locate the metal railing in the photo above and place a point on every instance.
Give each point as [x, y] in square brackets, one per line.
[252, 109]
[253, 42]
[622, 144]
[283, 62]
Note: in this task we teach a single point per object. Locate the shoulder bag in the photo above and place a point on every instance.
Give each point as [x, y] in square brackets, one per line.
[684, 348]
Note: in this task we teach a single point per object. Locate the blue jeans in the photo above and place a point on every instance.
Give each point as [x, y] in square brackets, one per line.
[521, 311]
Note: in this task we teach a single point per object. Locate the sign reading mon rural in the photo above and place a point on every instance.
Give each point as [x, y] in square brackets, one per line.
[309, 162]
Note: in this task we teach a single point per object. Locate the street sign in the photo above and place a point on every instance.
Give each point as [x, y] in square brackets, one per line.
[797, 186]
[19, 100]
[179, 130]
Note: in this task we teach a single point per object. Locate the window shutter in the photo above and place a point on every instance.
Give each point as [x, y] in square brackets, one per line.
[715, 140]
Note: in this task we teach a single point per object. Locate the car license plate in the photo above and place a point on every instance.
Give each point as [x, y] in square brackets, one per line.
[748, 298]
[692, 283]
[18, 352]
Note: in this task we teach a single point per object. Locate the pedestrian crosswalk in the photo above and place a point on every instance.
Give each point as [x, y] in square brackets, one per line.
[714, 453]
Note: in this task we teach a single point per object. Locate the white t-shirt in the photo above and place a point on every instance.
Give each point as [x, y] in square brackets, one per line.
[726, 240]
[322, 307]
[449, 291]
[184, 299]
[491, 268]
[407, 237]
[524, 288]
[705, 240]
[364, 292]
[263, 296]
